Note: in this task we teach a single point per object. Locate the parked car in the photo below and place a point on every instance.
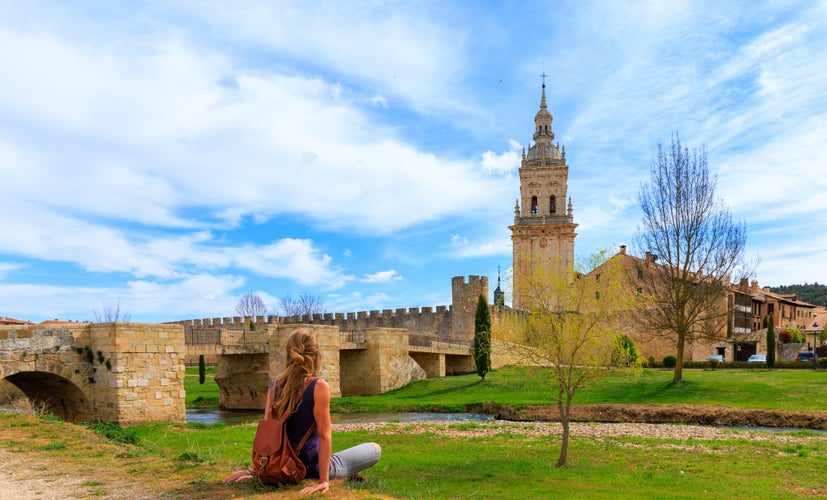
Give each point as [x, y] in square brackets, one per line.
[716, 357]
[806, 356]
[757, 358]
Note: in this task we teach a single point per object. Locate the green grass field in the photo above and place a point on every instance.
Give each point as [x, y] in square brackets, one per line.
[518, 387]
[515, 465]
[431, 461]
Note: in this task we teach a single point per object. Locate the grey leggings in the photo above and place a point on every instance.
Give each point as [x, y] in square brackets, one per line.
[346, 463]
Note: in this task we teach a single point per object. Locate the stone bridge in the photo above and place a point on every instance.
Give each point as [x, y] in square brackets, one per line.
[98, 372]
[360, 362]
[133, 372]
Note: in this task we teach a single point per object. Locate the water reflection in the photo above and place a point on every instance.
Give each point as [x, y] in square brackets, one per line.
[234, 417]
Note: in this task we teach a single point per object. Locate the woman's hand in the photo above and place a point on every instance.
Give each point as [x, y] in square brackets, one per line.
[320, 487]
[241, 475]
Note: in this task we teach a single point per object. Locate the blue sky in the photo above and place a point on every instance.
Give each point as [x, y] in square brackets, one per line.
[173, 156]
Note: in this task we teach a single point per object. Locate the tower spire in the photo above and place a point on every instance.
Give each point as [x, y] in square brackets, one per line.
[543, 104]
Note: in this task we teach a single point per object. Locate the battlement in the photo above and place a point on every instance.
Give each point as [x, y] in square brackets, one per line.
[439, 321]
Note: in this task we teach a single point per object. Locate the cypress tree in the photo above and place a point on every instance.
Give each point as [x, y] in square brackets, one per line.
[770, 341]
[202, 369]
[482, 337]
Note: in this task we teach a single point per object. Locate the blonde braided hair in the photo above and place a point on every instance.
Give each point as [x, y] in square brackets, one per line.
[302, 362]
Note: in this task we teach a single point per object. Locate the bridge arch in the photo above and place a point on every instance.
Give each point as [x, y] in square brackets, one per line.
[56, 394]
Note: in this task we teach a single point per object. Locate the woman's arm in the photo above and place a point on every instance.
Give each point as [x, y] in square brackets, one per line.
[321, 414]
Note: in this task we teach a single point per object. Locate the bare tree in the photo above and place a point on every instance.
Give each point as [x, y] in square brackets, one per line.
[251, 304]
[305, 303]
[571, 326]
[697, 247]
[111, 313]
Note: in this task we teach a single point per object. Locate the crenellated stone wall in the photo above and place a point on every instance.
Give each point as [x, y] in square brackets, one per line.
[453, 323]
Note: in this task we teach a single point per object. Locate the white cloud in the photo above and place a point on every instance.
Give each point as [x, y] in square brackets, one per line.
[7, 268]
[503, 163]
[461, 247]
[155, 132]
[382, 277]
[294, 259]
[190, 297]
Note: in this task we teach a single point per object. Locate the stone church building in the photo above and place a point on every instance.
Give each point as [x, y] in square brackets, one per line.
[543, 231]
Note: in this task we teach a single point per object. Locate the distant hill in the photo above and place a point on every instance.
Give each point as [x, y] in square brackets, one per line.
[814, 294]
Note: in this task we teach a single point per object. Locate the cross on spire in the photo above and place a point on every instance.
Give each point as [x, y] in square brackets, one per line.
[543, 75]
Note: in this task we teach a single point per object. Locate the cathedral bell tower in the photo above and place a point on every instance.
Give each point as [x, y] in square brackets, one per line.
[543, 232]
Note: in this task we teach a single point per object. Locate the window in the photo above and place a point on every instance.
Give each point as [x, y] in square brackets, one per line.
[533, 205]
[640, 291]
[640, 274]
[552, 204]
[597, 295]
[597, 277]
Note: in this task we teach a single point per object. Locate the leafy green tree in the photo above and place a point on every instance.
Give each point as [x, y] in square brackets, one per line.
[482, 337]
[771, 343]
[570, 323]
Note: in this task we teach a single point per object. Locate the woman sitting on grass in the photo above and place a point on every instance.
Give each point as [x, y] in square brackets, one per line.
[309, 403]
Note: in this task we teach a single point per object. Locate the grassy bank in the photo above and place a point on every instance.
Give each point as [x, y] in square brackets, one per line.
[804, 390]
[461, 460]
[518, 387]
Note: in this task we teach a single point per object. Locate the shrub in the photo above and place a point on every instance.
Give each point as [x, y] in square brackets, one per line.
[784, 336]
[651, 361]
[712, 363]
[625, 352]
[798, 337]
[670, 361]
[822, 363]
[202, 369]
[114, 432]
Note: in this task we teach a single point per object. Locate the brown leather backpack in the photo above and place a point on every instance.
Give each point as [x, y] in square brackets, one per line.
[274, 459]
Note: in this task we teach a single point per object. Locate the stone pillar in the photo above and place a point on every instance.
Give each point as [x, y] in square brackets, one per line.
[389, 364]
[432, 363]
[139, 374]
[243, 380]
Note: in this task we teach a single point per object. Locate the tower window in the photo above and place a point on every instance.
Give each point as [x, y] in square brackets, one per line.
[552, 204]
[533, 205]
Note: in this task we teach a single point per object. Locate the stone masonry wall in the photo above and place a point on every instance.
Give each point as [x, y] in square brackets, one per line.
[464, 305]
[120, 372]
[146, 379]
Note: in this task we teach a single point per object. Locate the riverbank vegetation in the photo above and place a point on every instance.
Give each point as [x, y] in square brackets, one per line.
[801, 390]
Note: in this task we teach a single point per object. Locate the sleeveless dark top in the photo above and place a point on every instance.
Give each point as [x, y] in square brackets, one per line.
[298, 424]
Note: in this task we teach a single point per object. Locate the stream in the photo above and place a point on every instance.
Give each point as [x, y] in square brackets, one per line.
[234, 417]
